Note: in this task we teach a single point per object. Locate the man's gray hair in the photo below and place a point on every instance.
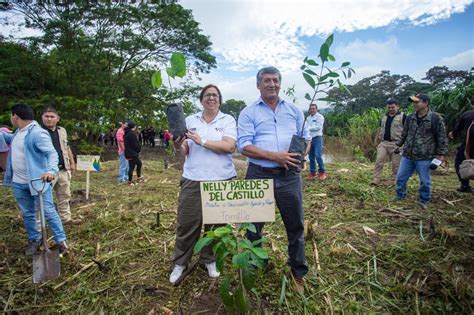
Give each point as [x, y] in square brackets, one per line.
[267, 70]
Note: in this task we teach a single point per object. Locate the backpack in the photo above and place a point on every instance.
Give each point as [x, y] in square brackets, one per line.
[466, 169]
[434, 122]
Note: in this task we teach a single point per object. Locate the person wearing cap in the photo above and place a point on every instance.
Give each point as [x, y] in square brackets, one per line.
[132, 153]
[208, 147]
[265, 131]
[423, 139]
[32, 156]
[123, 163]
[315, 123]
[464, 124]
[66, 164]
[391, 127]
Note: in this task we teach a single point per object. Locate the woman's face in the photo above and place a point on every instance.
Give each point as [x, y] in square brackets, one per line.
[210, 100]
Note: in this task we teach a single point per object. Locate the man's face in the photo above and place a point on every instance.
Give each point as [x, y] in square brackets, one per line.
[269, 86]
[392, 109]
[420, 105]
[50, 119]
[313, 110]
[14, 120]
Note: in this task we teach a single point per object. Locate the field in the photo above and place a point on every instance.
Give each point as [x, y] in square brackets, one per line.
[366, 252]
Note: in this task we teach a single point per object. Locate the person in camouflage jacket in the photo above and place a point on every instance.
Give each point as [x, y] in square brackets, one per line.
[423, 138]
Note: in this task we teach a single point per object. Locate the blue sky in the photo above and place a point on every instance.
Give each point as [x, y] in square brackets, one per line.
[405, 37]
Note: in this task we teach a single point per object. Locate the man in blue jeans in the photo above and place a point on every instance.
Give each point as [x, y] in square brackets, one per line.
[32, 155]
[315, 123]
[265, 129]
[423, 138]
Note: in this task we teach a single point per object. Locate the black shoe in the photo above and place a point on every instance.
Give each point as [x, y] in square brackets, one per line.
[465, 189]
[63, 248]
[32, 247]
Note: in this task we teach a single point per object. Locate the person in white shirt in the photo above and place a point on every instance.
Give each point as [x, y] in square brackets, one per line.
[315, 123]
[208, 148]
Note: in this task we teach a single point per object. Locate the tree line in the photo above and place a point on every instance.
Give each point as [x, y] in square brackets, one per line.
[93, 61]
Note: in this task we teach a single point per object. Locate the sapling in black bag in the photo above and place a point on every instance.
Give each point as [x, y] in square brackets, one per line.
[298, 145]
[176, 120]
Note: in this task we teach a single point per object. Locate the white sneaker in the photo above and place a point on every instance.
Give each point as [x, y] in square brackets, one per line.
[212, 270]
[176, 273]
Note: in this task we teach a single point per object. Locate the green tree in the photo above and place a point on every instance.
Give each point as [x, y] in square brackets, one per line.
[103, 54]
[233, 107]
[444, 78]
[374, 91]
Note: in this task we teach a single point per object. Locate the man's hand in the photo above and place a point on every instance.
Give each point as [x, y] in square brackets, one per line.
[73, 170]
[286, 159]
[441, 158]
[47, 177]
[451, 135]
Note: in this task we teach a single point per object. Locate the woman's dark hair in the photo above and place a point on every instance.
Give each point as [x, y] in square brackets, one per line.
[23, 111]
[204, 89]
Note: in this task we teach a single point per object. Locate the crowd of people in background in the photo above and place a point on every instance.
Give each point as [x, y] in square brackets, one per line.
[147, 136]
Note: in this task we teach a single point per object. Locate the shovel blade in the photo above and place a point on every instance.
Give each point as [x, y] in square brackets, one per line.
[46, 266]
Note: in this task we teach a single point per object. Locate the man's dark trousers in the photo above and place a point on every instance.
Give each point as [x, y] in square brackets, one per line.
[289, 200]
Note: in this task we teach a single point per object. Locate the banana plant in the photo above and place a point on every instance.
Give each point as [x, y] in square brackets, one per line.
[248, 260]
[320, 77]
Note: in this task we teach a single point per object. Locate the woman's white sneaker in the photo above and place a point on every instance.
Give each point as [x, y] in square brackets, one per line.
[176, 273]
[212, 270]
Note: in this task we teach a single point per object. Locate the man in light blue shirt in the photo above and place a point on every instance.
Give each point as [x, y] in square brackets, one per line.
[315, 123]
[265, 129]
[32, 156]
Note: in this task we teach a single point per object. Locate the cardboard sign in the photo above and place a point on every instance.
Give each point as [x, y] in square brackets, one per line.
[88, 163]
[238, 201]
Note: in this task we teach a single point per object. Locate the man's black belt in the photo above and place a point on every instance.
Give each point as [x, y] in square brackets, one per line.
[271, 170]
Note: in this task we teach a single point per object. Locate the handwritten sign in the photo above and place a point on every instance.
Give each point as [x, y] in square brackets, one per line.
[88, 163]
[238, 201]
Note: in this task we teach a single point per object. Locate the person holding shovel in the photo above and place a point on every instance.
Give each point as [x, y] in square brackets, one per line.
[32, 156]
[211, 139]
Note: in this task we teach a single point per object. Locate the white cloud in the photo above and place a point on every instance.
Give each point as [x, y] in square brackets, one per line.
[249, 34]
[367, 58]
[462, 61]
[379, 52]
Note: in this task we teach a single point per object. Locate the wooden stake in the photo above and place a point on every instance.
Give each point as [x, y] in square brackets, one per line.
[87, 184]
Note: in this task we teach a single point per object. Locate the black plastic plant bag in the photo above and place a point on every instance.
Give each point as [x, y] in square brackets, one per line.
[176, 120]
[297, 145]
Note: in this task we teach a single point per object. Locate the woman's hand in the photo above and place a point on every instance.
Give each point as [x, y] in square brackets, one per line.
[194, 136]
[178, 142]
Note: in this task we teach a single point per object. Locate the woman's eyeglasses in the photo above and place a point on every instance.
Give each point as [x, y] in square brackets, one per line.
[209, 95]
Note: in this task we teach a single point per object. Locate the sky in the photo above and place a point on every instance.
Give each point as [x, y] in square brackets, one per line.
[402, 36]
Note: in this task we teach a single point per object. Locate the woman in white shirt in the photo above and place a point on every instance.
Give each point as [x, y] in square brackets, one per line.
[208, 148]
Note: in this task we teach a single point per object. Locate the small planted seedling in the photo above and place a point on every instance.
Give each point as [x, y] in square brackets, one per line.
[248, 259]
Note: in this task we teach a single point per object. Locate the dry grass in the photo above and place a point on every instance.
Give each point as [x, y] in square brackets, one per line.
[374, 255]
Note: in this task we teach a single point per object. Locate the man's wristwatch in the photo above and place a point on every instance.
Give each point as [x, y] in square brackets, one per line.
[203, 142]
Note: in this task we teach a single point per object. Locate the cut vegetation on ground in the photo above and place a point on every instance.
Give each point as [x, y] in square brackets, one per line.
[366, 252]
